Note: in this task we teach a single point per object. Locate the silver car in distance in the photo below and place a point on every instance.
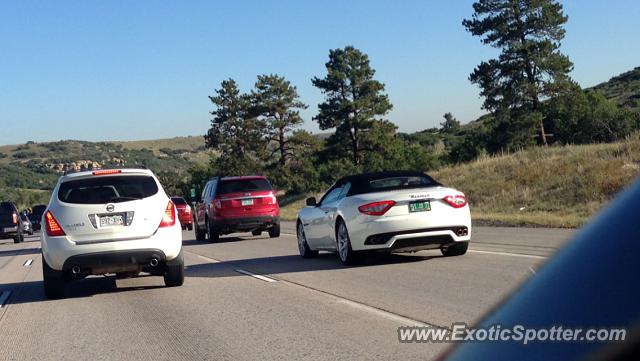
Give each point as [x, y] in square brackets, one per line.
[396, 211]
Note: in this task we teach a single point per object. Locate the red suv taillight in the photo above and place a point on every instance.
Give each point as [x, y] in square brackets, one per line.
[376, 208]
[272, 199]
[14, 217]
[169, 217]
[52, 226]
[187, 209]
[458, 201]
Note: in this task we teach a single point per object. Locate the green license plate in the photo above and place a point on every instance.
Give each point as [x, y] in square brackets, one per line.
[420, 206]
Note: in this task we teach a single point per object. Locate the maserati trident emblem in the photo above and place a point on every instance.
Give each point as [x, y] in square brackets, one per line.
[110, 207]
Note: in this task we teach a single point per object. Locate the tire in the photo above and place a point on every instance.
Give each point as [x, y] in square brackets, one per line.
[303, 246]
[456, 249]
[190, 227]
[257, 232]
[199, 233]
[274, 232]
[53, 281]
[212, 234]
[347, 255]
[18, 238]
[174, 274]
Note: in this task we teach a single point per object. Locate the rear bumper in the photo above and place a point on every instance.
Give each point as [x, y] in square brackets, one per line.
[245, 224]
[58, 250]
[116, 261]
[417, 240]
[8, 231]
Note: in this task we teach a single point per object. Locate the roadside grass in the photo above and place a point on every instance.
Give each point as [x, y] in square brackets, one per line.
[24, 198]
[560, 186]
[290, 205]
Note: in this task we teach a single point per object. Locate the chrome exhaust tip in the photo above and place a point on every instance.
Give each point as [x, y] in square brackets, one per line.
[154, 262]
[75, 269]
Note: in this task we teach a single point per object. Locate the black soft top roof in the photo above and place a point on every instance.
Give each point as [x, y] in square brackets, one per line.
[360, 182]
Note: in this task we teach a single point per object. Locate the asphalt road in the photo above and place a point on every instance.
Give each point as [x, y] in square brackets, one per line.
[303, 310]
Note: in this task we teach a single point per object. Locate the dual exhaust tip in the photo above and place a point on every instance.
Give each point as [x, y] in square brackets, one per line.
[154, 262]
[462, 231]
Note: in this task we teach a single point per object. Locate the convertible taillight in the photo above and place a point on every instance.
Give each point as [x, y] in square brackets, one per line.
[169, 217]
[52, 226]
[458, 201]
[376, 208]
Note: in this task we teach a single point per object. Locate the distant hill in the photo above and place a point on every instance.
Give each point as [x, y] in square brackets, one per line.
[623, 89]
[33, 167]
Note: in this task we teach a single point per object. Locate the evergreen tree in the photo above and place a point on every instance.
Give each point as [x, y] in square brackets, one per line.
[354, 101]
[277, 103]
[530, 67]
[235, 132]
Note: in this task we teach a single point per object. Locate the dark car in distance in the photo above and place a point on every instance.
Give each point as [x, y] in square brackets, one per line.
[10, 223]
[36, 216]
[237, 204]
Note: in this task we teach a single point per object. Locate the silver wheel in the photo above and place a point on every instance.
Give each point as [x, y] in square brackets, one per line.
[343, 242]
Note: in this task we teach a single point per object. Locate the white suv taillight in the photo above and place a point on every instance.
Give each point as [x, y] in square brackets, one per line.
[169, 217]
[52, 226]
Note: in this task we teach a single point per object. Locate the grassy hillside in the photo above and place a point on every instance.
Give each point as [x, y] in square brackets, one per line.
[555, 186]
[623, 89]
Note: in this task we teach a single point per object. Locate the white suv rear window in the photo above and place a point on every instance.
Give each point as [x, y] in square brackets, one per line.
[107, 189]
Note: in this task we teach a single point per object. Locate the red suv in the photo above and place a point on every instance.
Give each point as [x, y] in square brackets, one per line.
[184, 212]
[237, 204]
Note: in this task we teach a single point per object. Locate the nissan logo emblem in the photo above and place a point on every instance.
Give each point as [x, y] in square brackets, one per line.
[110, 207]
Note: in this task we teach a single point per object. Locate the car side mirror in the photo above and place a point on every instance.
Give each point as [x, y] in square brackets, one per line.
[311, 202]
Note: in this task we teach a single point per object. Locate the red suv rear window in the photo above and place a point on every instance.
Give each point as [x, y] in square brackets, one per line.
[244, 185]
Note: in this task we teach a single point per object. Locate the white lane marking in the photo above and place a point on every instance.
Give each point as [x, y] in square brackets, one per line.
[28, 263]
[382, 313]
[204, 258]
[509, 254]
[3, 298]
[532, 270]
[361, 306]
[260, 277]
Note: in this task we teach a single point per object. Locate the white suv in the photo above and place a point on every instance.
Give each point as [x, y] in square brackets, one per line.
[110, 221]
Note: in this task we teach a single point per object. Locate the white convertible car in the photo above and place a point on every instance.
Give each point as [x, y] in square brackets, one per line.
[397, 211]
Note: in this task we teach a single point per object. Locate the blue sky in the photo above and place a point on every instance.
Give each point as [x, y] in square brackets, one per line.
[126, 70]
